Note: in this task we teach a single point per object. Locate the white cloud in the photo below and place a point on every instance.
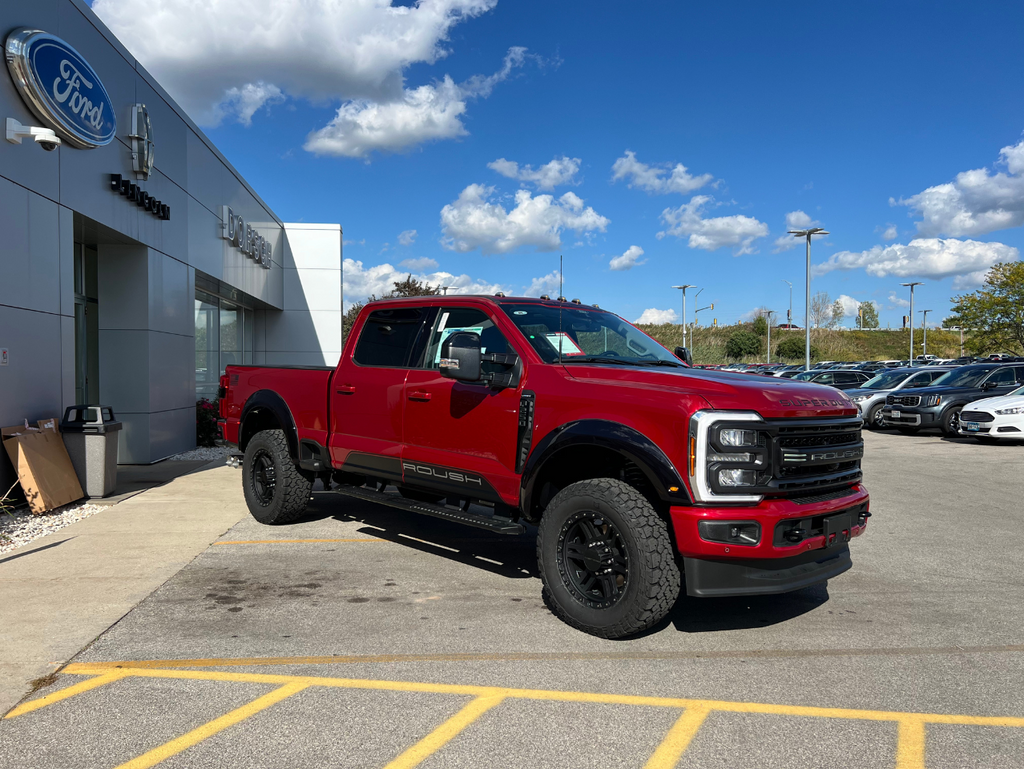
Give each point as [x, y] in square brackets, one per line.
[316, 49]
[922, 258]
[657, 317]
[849, 304]
[712, 234]
[407, 237]
[418, 265]
[976, 202]
[897, 301]
[559, 171]
[476, 221]
[971, 280]
[890, 232]
[795, 220]
[628, 260]
[658, 179]
[418, 115]
[242, 103]
[360, 282]
[545, 284]
[361, 242]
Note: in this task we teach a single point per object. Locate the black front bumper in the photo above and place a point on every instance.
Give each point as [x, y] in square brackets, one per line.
[713, 578]
[914, 416]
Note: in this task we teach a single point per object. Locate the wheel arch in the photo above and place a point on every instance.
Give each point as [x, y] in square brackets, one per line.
[266, 410]
[596, 448]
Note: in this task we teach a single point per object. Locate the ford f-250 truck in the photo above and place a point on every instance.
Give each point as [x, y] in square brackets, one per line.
[636, 469]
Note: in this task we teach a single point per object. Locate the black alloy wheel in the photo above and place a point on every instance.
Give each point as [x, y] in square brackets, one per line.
[263, 480]
[592, 560]
[951, 422]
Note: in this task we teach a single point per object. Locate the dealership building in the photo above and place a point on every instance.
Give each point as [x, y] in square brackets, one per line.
[136, 262]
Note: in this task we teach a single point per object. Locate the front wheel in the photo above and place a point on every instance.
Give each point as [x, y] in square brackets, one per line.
[606, 559]
[951, 422]
[874, 418]
[276, 491]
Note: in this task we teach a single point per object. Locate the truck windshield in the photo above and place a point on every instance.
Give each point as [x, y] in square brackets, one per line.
[886, 380]
[968, 376]
[586, 336]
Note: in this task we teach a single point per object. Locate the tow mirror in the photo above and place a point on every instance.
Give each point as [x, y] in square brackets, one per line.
[461, 357]
[684, 354]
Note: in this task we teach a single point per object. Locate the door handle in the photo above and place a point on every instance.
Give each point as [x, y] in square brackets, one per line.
[346, 389]
[419, 395]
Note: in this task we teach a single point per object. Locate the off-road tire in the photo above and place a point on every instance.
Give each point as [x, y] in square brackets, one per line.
[290, 487]
[652, 580]
[950, 424]
[872, 421]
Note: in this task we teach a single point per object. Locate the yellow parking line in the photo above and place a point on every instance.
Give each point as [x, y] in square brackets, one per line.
[443, 734]
[558, 696]
[292, 541]
[71, 691]
[172, 748]
[678, 738]
[910, 744]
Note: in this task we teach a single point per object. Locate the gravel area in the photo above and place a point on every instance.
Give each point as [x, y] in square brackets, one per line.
[22, 527]
[209, 454]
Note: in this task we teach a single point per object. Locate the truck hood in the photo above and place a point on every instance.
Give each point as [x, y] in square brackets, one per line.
[999, 402]
[771, 397]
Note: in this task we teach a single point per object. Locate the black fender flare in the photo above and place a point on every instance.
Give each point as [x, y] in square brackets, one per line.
[268, 400]
[622, 439]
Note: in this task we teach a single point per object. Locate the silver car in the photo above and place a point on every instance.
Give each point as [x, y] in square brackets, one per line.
[870, 396]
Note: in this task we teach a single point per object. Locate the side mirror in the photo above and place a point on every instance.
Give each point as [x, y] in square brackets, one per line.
[989, 385]
[461, 357]
[684, 354]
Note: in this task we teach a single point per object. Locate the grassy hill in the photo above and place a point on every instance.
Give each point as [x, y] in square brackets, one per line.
[708, 344]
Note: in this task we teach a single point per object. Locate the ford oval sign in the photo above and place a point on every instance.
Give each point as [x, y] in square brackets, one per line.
[61, 88]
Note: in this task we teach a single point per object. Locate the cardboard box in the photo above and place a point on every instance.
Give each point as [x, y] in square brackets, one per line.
[44, 468]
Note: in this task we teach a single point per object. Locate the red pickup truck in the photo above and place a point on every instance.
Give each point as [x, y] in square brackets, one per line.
[636, 469]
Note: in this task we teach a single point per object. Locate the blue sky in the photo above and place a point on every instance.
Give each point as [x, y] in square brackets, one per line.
[897, 126]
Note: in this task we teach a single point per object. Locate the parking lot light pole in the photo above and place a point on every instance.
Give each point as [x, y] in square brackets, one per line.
[924, 325]
[688, 285]
[807, 303]
[915, 283]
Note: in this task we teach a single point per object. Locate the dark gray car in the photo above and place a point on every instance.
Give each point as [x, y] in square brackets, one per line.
[870, 396]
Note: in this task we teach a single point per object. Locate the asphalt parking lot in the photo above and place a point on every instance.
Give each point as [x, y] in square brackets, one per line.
[363, 637]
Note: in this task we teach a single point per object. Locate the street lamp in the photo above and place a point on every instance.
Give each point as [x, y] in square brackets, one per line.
[768, 317]
[789, 318]
[924, 325]
[807, 308]
[688, 285]
[445, 289]
[915, 283]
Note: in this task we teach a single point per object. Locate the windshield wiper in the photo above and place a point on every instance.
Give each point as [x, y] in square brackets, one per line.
[659, 362]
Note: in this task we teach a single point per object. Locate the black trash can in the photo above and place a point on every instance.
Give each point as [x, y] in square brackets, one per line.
[90, 435]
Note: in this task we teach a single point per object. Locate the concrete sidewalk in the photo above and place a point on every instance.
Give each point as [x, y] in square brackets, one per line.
[59, 592]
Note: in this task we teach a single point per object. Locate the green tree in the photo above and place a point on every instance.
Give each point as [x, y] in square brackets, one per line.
[793, 347]
[409, 286]
[837, 315]
[742, 343]
[760, 325]
[995, 312]
[868, 315]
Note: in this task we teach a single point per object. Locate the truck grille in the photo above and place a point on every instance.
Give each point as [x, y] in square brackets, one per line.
[815, 457]
[903, 400]
[976, 416]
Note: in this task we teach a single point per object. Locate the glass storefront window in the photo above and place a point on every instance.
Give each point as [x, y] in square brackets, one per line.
[224, 337]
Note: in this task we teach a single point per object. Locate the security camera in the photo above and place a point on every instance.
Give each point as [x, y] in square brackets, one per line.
[44, 137]
[48, 141]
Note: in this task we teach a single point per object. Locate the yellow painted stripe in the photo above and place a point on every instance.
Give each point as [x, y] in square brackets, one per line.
[558, 696]
[292, 541]
[910, 744]
[70, 691]
[678, 738]
[207, 730]
[443, 734]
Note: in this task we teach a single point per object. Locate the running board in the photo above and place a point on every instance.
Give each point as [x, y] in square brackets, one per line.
[497, 525]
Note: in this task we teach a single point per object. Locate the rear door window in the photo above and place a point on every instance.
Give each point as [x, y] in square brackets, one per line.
[388, 338]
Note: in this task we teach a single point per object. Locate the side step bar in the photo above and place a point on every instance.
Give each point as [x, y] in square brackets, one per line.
[497, 525]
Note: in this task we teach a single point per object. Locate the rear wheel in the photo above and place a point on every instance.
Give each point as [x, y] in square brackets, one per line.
[606, 559]
[951, 422]
[276, 491]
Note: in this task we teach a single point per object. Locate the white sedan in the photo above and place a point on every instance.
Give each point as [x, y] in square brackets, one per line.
[993, 418]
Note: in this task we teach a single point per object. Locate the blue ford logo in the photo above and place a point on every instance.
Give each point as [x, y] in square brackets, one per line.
[61, 88]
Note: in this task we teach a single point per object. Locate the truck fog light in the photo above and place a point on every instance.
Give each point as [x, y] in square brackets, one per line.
[738, 437]
[730, 532]
[736, 477]
[730, 458]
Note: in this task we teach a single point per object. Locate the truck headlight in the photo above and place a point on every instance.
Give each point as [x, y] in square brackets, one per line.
[736, 477]
[729, 460]
[733, 437]
[1015, 410]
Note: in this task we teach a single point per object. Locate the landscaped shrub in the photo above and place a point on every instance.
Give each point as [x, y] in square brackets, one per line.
[795, 347]
[743, 343]
[206, 422]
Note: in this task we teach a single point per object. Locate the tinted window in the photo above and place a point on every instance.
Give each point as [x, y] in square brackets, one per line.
[1003, 376]
[825, 379]
[886, 380]
[388, 338]
[967, 376]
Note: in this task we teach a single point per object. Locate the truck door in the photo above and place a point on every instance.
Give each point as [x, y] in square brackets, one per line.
[461, 437]
[367, 402]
